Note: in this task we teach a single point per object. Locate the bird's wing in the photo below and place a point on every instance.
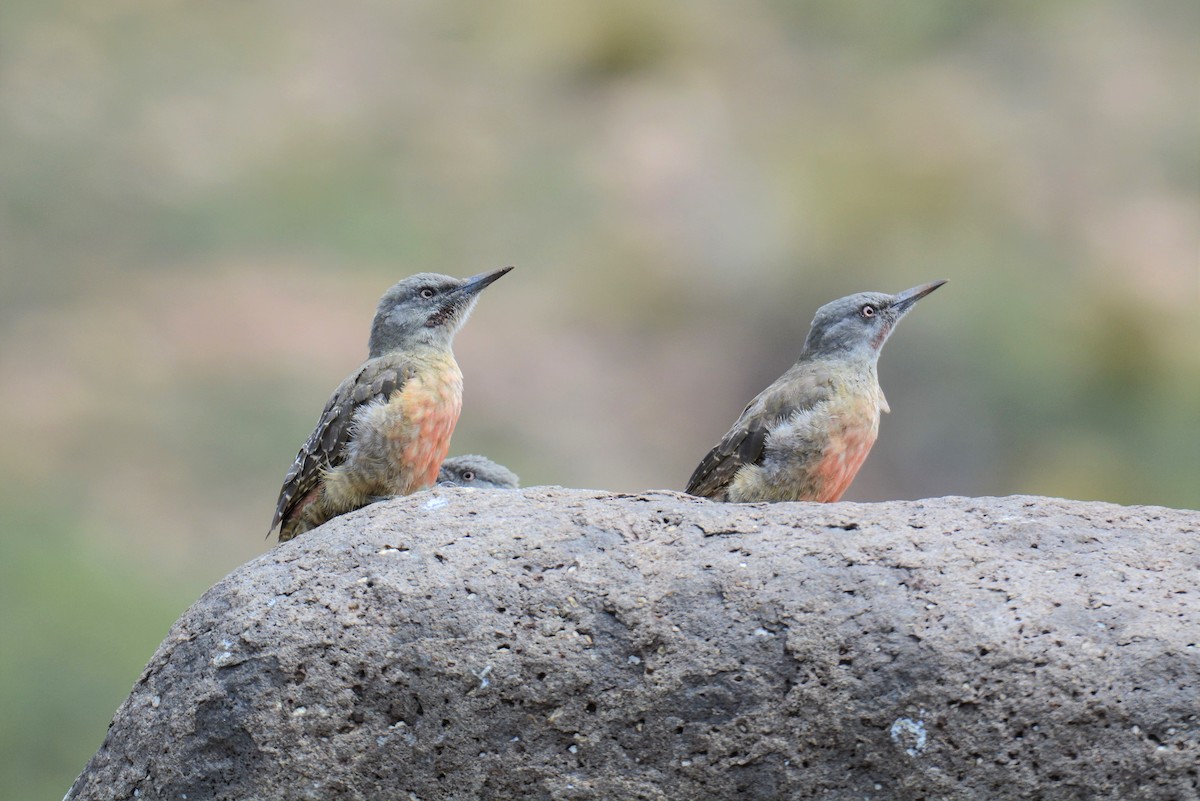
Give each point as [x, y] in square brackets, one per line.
[799, 389]
[326, 446]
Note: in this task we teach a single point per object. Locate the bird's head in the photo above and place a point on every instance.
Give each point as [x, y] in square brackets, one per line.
[425, 309]
[476, 471]
[858, 325]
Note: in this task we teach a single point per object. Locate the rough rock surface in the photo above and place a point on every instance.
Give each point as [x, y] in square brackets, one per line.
[568, 644]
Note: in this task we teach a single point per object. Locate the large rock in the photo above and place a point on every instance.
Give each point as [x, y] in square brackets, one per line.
[565, 644]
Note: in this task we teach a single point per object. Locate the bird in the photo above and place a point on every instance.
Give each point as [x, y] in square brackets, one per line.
[476, 471]
[386, 428]
[805, 436]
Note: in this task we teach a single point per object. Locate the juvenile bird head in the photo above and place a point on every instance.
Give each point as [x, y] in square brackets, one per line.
[476, 471]
[426, 308]
[858, 325]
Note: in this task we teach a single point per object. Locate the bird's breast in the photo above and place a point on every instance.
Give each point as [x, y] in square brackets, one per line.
[852, 428]
[424, 413]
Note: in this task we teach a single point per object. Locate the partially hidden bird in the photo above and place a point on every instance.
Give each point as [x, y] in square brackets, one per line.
[478, 472]
[386, 429]
[805, 436]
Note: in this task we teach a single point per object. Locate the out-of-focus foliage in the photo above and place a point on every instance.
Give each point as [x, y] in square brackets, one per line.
[201, 202]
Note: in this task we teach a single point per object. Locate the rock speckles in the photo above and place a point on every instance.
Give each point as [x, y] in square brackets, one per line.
[568, 644]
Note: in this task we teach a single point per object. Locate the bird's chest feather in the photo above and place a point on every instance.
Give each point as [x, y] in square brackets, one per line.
[851, 429]
[423, 414]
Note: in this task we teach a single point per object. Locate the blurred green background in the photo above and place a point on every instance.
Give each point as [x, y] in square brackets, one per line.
[200, 204]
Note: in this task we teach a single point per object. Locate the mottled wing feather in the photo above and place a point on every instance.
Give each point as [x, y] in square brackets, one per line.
[326, 446]
[742, 445]
[750, 450]
[801, 388]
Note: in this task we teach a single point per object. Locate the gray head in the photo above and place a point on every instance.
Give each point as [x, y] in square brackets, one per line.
[476, 471]
[858, 325]
[425, 309]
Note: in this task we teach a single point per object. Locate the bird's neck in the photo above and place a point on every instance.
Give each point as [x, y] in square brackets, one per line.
[416, 349]
[384, 341]
[859, 360]
[858, 372]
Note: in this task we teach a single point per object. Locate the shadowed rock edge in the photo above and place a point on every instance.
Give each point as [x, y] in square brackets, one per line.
[569, 644]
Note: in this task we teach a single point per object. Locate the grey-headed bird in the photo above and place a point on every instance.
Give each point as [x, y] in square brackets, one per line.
[387, 427]
[476, 471]
[805, 436]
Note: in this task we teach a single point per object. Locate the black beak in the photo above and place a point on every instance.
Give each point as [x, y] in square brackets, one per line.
[462, 297]
[477, 283]
[904, 301]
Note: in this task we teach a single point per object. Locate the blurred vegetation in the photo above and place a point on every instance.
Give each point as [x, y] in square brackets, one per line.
[201, 203]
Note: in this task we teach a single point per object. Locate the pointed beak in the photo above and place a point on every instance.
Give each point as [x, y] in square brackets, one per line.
[456, 305]
[477, 283]
[904, 301]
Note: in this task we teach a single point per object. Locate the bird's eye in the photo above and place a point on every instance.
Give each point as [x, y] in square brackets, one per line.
[868, 310]
[468, 475]
[427, 293]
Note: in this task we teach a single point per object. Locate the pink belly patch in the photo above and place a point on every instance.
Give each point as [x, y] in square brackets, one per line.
[843, 457]
[429, 411]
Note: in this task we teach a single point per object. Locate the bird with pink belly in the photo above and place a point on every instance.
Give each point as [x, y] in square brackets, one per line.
[387, 427]
[805, 436]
